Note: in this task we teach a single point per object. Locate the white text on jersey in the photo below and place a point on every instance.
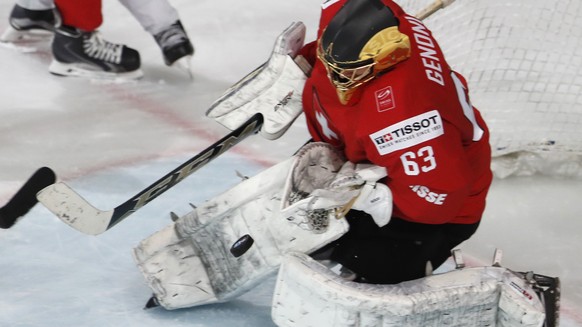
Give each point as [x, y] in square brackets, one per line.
[430, 197]
[431, 62]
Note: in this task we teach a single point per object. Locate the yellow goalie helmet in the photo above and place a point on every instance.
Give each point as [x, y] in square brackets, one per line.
[361, 41]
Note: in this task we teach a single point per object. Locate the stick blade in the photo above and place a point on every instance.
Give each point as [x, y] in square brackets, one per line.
[74, 210]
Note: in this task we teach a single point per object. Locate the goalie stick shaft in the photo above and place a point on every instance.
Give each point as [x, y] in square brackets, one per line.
[71, 208]
[250, 127]
[25, 197]
[432, 8]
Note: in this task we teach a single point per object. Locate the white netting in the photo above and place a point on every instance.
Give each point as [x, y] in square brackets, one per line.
[523, 62]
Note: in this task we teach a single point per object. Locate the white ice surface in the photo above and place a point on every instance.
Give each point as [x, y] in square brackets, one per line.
[110, 140]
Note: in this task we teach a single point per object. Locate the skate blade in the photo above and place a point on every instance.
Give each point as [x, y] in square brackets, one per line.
[73, 70]
[184, 65]
[12, 35]
[20, 47]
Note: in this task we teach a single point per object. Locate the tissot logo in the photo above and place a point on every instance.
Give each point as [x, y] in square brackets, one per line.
[385, 99]
[383, 139]
[408, 132]
[416, 126]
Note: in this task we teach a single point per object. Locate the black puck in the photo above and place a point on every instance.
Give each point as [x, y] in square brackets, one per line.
[242, 245]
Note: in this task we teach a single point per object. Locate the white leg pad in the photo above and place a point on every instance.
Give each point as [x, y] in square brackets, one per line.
[308, 294]
[189, 262]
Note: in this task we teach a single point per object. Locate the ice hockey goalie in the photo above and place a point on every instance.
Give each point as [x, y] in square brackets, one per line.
[294, 208]
[274, 222]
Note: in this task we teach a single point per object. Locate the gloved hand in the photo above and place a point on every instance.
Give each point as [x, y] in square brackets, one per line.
[376, 200]
[322, 181]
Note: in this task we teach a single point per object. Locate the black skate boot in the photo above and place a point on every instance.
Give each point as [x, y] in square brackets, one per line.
[86, 54]
[29, 25]
[175, 44]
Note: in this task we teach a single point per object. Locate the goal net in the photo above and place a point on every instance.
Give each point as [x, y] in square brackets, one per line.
[523, 63]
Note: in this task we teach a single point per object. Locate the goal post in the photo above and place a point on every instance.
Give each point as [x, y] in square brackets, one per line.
[523, 62]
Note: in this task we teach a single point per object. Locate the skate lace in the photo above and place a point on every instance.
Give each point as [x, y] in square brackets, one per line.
[98, 48]
[172, 36]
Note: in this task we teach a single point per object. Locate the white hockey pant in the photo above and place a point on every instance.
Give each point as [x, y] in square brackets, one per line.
[154, 16]
[36, 4]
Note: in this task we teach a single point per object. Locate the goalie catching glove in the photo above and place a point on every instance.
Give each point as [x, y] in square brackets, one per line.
[316, 185]
[292, 206]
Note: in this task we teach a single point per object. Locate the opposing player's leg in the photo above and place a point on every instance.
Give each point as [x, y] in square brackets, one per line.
[86, 54]
[162, 21]
[175, 45]
[79, 50]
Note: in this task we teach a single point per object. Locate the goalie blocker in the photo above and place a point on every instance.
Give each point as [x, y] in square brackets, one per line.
[274, 89]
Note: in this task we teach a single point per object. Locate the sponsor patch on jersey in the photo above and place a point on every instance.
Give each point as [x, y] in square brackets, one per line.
[409, 132]
[385, 99]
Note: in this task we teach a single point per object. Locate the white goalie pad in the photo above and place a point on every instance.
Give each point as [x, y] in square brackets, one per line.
[274, 89]
[189, 263]
[308, 294]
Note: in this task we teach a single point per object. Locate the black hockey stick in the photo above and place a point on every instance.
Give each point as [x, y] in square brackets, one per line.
[71, 208]
[25, 198]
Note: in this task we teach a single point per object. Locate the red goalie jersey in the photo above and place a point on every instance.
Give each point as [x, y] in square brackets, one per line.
[416, 120]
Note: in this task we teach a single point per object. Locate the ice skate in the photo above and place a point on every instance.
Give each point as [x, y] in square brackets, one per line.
[152, 303]
[176, 47]
[28, 25]
[87, 54]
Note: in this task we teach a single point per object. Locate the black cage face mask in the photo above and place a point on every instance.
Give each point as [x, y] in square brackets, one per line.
[360, 41]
